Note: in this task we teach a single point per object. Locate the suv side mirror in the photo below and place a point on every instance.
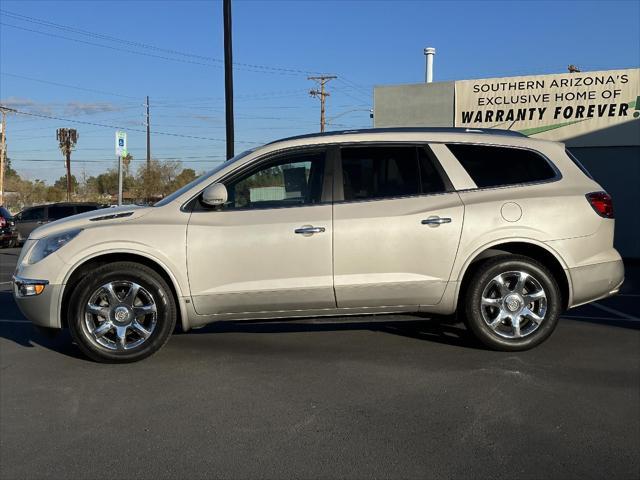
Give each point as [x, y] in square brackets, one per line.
[215, 195]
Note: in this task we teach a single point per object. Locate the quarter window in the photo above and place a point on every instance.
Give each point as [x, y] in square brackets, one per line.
[385, 172]
[293, 180]
[491, 166]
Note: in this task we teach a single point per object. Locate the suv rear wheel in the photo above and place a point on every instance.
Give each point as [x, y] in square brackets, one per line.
[512, 303]
[122, 312]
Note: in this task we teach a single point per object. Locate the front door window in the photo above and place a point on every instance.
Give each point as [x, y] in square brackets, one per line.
[291, 181]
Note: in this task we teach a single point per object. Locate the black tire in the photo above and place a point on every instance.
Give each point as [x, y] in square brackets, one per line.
[478, 317]
[151, 283]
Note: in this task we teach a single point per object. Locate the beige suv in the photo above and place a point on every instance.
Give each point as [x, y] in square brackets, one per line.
[504, 230]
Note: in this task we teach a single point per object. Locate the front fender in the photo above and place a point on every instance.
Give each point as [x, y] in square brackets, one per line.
[127, 248]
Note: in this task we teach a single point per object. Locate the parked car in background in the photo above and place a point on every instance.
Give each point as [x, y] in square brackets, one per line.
[31, 218]
[506, 230]
[8, 233]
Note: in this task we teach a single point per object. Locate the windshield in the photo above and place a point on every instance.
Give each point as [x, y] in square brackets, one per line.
[170, 198]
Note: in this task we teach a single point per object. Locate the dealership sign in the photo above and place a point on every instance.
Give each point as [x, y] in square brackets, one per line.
[550, 106]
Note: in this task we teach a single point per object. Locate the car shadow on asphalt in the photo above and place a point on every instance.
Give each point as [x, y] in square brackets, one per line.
[443, 330]
[14, 327]
[439, 330]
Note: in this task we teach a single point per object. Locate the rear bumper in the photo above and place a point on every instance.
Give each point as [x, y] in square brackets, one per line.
[596, 281]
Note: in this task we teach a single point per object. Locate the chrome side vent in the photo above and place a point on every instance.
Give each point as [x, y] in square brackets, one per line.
[112, 216]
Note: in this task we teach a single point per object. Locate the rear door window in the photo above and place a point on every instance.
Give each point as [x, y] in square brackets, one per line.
[493, 166]
[376, 172]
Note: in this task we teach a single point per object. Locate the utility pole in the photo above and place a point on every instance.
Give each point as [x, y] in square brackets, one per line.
[228, 77]
[67, 139]
[148, 139]
[322, 80]
[3, 150]
[147, 193]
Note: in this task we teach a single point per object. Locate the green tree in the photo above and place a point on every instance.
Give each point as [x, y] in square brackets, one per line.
[61, 183]
[185, 176]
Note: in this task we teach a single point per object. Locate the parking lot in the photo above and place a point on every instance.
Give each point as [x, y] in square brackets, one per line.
[388, 396]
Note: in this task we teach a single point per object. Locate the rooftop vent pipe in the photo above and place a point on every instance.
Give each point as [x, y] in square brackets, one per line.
[429, 52]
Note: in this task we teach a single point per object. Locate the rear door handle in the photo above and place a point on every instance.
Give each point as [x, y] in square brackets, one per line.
[435, 221]
[308, 230]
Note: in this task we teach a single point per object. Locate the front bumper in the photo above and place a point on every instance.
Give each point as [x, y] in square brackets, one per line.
[41, 309]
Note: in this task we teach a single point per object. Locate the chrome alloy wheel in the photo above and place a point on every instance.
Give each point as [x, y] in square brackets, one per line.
[513, 304]
[120, 315]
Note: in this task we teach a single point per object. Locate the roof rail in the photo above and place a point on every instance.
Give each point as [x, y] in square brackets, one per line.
[491, 131]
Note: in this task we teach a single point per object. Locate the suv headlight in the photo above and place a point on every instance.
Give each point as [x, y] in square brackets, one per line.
[47, 245]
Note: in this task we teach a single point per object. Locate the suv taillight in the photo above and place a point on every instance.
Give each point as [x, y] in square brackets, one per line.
[601, 203]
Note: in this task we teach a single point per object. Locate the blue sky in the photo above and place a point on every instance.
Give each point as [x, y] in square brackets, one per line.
[173, 51]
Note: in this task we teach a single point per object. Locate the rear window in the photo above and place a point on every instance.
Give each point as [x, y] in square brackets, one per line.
[491, 166]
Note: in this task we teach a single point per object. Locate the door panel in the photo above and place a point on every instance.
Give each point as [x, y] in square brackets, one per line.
[270, 247]
[252, 261]
[397, 231]
[385, 255]
[29, 220]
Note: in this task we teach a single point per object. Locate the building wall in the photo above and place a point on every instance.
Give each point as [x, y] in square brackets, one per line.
[422, 104]
[617, 169]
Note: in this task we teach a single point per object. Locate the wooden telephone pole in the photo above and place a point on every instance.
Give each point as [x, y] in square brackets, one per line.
[67, 139]
[322, 80]
[3, 148]
[3, 155]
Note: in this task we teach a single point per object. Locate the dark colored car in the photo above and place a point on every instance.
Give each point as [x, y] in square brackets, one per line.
[31, 218]
[8, 233]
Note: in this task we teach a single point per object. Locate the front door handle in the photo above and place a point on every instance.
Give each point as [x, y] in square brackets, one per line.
[308, 230]
[435, 221]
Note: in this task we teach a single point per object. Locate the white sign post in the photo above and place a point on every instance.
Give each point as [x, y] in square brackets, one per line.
[121, 151]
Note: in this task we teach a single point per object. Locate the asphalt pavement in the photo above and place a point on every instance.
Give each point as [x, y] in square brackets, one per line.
[384, 397]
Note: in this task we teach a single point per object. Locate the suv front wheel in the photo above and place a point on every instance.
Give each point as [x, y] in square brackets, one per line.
[512, 303]
[122, 312]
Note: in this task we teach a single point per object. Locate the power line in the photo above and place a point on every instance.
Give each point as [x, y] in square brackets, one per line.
[189, 159]
[75, 87]
[117, 127]
[212, 61]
